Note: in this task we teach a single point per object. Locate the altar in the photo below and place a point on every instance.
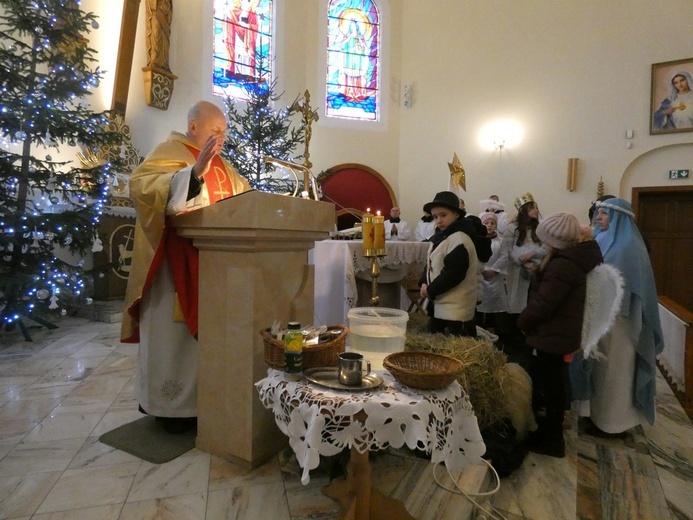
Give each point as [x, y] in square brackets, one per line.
[340, 263]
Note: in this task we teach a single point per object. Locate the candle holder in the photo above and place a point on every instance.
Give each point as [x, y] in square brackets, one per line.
[373, 247]
[375, 255]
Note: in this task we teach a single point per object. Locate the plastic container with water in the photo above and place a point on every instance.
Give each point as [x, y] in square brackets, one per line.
[376, 332]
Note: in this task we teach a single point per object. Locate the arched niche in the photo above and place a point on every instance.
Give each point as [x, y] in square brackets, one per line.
[354, 188]
[652, 168]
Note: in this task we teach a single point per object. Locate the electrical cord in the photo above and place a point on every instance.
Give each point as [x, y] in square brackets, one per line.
[491, 515]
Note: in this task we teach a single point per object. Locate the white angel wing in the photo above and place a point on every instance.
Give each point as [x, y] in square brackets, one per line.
[602, 304]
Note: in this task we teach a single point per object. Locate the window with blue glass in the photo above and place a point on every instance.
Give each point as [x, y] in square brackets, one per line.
[242, 46]
[353, 51]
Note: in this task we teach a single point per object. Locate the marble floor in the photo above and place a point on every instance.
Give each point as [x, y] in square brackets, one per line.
[59, 393]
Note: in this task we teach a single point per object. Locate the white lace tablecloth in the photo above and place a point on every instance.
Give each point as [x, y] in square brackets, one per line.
[321, 421]
[337, 262]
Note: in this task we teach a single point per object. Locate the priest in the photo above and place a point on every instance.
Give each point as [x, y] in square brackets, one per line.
[182, 174]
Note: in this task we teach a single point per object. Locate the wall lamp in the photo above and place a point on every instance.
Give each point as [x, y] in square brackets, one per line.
[501, 135]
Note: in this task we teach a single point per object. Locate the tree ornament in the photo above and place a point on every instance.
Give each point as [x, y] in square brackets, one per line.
[42, 294]
[20, 135]
[35, 244]
[97, 246]
[54, 302]
[48, 140]
[63, 312]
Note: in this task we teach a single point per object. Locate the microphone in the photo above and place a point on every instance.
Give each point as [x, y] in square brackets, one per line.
[348, 231]
[293, 167]
[339, 206]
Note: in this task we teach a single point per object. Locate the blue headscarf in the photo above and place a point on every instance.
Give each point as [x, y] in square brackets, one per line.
[623, 247]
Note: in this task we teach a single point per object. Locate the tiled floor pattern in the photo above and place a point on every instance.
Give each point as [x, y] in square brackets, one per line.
[70, 385]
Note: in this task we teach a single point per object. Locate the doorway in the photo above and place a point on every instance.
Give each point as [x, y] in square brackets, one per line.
[665, 218]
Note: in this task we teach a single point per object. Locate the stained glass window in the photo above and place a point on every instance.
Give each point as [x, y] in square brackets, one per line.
[353, 51]
[242, 45]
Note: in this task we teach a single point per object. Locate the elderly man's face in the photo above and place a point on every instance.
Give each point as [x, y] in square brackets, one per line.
[394, 212]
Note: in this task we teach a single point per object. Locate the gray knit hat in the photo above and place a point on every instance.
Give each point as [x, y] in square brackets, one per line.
[559, 230]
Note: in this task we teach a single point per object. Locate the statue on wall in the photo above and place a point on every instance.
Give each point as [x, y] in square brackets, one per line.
[159, 17]
[158, 79]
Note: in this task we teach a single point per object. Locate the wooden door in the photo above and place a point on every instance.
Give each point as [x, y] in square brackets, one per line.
[665, 218]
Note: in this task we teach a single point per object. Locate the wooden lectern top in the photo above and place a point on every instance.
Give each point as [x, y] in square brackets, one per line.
[259, 210]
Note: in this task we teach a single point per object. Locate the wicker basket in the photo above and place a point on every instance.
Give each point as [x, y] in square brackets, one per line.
[423, 370]
[320, 355]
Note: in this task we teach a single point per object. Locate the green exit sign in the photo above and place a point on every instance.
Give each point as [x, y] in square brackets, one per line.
[679, 174]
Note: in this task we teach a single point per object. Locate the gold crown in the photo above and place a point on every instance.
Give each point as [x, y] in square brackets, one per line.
[521, 201]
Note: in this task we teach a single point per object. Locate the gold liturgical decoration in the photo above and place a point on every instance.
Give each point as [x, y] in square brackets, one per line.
[158, 79]
[600, 187]
[309, 117]
[458, 176]
[128, 156]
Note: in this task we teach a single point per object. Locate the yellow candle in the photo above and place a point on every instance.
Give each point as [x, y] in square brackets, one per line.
[379, 228]
[367, 231]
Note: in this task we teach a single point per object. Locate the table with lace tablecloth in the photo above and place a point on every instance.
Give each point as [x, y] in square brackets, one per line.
[339, 262]
[322, 421]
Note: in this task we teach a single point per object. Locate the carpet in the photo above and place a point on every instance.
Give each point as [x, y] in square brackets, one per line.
[146, 438]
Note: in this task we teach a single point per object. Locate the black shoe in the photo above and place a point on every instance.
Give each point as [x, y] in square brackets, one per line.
[543, 447]
[178, 425]
[591, 429]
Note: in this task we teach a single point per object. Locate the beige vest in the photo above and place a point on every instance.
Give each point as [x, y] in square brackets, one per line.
[459, 303]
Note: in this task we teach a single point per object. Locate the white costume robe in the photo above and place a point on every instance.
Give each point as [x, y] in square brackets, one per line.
[518, 278]
[403, 231]
[493, 297]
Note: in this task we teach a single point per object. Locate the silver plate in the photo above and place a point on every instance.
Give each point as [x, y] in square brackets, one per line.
[327, 376]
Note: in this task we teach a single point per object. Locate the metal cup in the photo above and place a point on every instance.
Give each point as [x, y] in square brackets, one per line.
[350, 371]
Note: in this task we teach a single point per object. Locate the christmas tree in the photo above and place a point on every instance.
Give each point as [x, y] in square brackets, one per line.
[259, 131]
[49, 207]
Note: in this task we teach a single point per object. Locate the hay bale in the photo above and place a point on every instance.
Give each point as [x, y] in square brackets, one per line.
[517, 389]
[484, 375]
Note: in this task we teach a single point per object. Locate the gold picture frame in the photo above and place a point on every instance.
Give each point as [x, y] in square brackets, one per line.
[671, 98]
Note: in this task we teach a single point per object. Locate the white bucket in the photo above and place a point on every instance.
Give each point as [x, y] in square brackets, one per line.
[376, 332]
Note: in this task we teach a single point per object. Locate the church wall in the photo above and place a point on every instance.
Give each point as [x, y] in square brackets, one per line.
[299, 66]
[337, 141]
[576, 75]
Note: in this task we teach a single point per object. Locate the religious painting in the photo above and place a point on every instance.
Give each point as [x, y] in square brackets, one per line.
[353, 51]
[671, 105]
[242, 46]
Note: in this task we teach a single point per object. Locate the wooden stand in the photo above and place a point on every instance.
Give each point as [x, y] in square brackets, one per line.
[359, 500]
[253, 270]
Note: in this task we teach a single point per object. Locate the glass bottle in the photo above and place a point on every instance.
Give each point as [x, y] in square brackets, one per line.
[293, 352]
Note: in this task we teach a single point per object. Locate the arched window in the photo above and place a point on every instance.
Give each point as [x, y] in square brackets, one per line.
[242, 45]
[353, 52]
